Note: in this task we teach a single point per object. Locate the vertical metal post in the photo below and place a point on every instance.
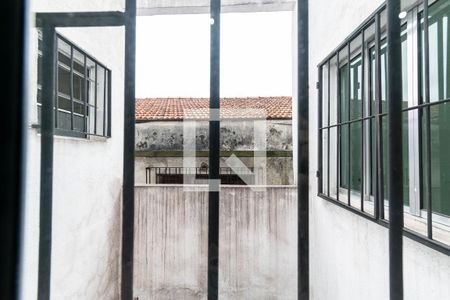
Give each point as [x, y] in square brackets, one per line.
[426, 54]
[320, 131]
[379, 197]
[338, 128]
[46, 187]
[362, 87]
[329, 130]
[128, 152]
[13, 143]
[303, 149]
[349, 126]
[394, 99]
[214, 153]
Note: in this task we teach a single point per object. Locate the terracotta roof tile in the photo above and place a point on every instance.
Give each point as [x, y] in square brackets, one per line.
[154, 109]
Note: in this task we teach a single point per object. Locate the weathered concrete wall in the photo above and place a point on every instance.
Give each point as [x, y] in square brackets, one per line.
[234, 135]
[348, 253]
[278, 169]
[258, 243]
[86, 235]
[166, 136]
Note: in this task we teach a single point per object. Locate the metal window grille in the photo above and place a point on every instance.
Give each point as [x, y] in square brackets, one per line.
[339, 112]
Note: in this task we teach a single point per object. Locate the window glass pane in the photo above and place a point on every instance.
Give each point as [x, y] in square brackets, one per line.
[325, 95]
[64, 103]
[372, 89]
[383, 62]
[385, 158]
[39, 70]
[90, 65]
[439, 58]
[405, 149]
[64, 80]
[325, 161]
[78, 108]
[91, 119]
[343, 88]
[355, 88]
[405, 70]
[79, 89]
[78, 123]
[78, 62]
[333, 162]
[100, 98]
[106, 103]
[333, 90]
[356, 156]
[64, 120]
[344, 162]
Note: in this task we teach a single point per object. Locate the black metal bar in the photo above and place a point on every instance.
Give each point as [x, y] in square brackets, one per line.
[86, 92]
[95, 96]
[339, 127]
[349, 86]
[329, 131]
[128, 152]
[13, 112]
[303, 149]
[71, 88]
[320, 131]
[81, 19]
[363, 67]
[104, 102]
[56, 87]
[46, 187]
[394, 99]
[379, 155]
[109, 104]
[214, 153]
[428, 117]
[372, 125]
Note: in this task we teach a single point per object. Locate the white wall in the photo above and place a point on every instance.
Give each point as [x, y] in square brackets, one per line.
[349, 254]
[257, 249]
[87, 178]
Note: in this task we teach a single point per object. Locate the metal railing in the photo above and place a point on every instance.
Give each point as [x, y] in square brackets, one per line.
[175, 175]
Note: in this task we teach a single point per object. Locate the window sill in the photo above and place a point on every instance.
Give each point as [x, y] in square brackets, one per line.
[415, 227]
[69, 135]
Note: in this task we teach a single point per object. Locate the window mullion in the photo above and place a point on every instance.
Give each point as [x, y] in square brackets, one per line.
[413, 116]
[95, 99]
[428, 110]
[362, 116]
[349, 92]
[338, 129]
[71, 88]
[379, 207]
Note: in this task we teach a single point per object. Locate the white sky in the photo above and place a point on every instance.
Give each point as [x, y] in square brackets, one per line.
[173, 55]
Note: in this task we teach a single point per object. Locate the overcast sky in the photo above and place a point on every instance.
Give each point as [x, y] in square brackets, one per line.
[173, 55]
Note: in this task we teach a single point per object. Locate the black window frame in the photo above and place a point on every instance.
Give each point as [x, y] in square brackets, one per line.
[323, 173]
[88, 106]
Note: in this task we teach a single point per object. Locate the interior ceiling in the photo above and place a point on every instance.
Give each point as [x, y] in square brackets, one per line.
[169, 7]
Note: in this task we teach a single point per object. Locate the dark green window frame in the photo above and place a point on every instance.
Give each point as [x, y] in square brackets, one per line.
[83, 92]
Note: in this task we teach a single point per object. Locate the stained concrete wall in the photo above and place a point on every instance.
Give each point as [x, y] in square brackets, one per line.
[234, 135]
[86, 234]
[278, 169]
[258, 242]
[163, 136]
[348, 253]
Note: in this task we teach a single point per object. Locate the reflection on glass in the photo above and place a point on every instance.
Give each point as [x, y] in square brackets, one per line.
[439, 74]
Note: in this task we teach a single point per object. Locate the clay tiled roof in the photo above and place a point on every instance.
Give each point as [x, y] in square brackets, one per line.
[157, 109]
